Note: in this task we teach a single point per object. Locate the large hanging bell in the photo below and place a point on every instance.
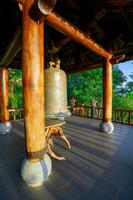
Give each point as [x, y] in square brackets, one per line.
[56, 91]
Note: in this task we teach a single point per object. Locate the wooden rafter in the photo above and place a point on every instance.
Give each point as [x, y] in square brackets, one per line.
[13, 48]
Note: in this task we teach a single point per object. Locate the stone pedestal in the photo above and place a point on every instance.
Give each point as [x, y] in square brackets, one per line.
[35, 174]
[5, 127]
[106, 127]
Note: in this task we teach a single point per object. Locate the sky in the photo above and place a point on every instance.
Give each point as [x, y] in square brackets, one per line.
[126, 68]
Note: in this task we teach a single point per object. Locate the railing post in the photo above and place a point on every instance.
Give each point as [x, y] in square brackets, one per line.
[129, 117]
[107, 126]
[14, 115]
[121, 114]
[115, 115]
[37, 165]
[5, 125]
[20, 114]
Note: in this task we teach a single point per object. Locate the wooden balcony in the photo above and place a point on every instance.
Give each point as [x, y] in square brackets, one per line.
[97, 167]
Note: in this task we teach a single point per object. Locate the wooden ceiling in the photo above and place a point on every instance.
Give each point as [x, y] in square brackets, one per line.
[107, 22]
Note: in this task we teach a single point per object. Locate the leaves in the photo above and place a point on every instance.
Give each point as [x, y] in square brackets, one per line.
[85, 86]
[15, 89]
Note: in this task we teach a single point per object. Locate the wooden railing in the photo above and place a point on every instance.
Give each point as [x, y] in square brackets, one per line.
[123, 116]
[16, 114]
[118, 115]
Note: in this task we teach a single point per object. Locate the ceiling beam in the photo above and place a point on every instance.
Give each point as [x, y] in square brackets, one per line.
[126, 19]
[117, 2]
[113, 60]
[84, 68]
[13, 48]
[117, 59]
[58, 44]
[62, 25]
[68, 29]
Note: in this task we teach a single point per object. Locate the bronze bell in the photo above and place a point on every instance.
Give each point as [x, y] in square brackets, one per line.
[56, 91]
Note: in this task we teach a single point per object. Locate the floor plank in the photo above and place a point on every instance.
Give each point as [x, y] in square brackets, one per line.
[97, 167]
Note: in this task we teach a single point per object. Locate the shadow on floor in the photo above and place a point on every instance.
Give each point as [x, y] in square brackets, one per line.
[97, 167]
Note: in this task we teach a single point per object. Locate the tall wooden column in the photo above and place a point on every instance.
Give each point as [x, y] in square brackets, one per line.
[107, 91]
[33, 168]
[5, 125]
[106, 125]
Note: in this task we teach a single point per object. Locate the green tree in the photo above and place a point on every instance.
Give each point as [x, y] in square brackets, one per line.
[85, 86]
[118, 79]
[129, 85]
[15, 89]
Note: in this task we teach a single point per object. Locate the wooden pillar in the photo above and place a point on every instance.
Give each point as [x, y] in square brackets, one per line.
[33, 87]
[4, 113]
[106, 125]
[107, 91]
[5, 125]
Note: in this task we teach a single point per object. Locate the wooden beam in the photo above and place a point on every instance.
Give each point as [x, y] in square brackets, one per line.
[113, 60]
[126, 20]
[41, 8]
[59, 44]
[68, 29]
[117, 59]
[118, 2]
[84, 68]
[15, 44]
[13, 48]
[59, 23]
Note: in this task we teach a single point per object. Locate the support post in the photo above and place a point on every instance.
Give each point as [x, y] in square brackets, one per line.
[37, 165]
[5, 125]
[107, 126]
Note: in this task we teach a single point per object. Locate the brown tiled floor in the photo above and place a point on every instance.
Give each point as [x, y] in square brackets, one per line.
[97, 167]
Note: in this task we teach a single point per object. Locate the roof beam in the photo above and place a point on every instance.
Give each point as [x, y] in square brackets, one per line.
[113, 60]
[84, 68]
[117, 59]
[68, 29]
[62, 25]
[13, 48]
[126, 19]
[118, 2]
[57, 45]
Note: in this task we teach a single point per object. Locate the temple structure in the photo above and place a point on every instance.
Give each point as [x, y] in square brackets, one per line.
[83, 34]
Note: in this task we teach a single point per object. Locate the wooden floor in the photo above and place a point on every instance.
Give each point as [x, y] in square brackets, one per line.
[97, 167]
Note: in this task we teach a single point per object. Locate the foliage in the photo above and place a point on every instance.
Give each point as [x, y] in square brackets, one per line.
[85, 86]
[129, 85]
[123, 101]
[118, 78]
[15, 89]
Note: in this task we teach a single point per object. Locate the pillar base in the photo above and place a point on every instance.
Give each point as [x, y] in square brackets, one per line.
[106, 127]
[5, 128]
[35, 174]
